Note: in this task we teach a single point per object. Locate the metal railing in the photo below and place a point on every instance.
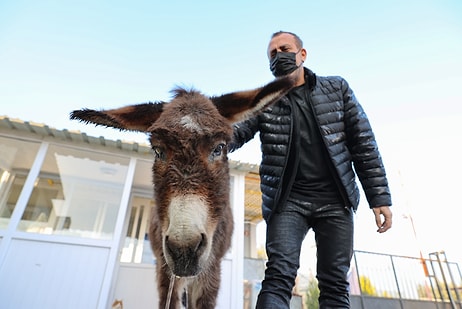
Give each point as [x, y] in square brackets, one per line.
[406, 278]
[386, 281]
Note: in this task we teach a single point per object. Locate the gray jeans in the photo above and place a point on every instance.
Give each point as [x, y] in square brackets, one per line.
[333, 228]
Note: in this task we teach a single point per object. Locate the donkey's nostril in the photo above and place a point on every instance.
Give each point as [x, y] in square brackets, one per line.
[201, 244]
[173, 249]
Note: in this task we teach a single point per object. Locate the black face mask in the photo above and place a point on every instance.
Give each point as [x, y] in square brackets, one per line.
[283, 63]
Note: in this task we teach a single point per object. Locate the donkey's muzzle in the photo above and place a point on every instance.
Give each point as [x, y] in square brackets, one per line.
[185, 255]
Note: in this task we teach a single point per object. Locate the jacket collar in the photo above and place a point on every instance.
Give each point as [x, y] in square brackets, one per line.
[310, 79]
[310, 82]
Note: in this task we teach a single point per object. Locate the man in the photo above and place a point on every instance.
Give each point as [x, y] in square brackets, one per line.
[310, 141]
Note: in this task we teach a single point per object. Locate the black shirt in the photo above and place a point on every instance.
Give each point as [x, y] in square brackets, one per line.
[314, 181]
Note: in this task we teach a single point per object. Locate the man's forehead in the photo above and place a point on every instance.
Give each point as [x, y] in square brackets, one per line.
[280, 40]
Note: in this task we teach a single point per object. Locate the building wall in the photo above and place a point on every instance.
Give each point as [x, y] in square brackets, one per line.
[41, 274]
[66, 204]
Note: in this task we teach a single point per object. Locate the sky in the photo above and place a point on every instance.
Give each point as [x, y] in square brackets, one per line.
[403, 59]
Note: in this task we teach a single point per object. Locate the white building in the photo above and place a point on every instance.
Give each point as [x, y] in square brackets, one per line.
[74, 211]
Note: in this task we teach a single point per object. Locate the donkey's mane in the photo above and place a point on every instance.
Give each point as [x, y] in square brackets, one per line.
[179, 91]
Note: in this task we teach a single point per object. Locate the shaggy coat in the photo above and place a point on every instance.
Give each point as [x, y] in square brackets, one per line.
[192, 224]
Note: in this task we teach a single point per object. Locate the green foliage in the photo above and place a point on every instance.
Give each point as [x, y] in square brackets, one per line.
[312, 294]
[425, 291]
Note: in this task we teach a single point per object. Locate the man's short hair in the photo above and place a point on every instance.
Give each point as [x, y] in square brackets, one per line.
[298, 41]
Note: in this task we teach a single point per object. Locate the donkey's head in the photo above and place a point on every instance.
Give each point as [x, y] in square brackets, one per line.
[189, 137]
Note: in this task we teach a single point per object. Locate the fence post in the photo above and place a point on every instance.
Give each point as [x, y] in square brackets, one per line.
[359, 281]
[451, 299]
[397, 283]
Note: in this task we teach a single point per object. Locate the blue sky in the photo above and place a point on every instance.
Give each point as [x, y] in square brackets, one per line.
[403, 59]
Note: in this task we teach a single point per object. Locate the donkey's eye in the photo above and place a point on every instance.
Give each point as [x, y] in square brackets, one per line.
[158, 152]
[218, 150]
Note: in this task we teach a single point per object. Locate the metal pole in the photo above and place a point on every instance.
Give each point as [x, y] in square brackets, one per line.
[397, 283]
[453, 304]
[436, 281]
[453, 282]
[460, 277]
[359, 281]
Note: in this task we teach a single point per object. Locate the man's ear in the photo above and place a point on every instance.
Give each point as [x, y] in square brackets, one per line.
[304, 54]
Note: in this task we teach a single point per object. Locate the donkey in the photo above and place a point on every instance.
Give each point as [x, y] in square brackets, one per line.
[192, 224]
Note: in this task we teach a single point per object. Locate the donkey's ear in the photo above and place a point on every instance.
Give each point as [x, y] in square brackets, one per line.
[134, 117]
[238, 106]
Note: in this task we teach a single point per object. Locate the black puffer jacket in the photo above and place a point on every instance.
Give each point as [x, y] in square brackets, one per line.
[346, 132]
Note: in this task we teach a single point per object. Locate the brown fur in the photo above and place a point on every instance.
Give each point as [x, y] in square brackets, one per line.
[192, 224]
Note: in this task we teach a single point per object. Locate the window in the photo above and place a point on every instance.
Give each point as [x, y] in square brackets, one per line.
[137, 248]
[77, 193]
[16, 159]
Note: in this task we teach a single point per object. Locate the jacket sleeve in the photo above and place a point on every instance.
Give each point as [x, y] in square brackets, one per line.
[243, 132]
[365, 154]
